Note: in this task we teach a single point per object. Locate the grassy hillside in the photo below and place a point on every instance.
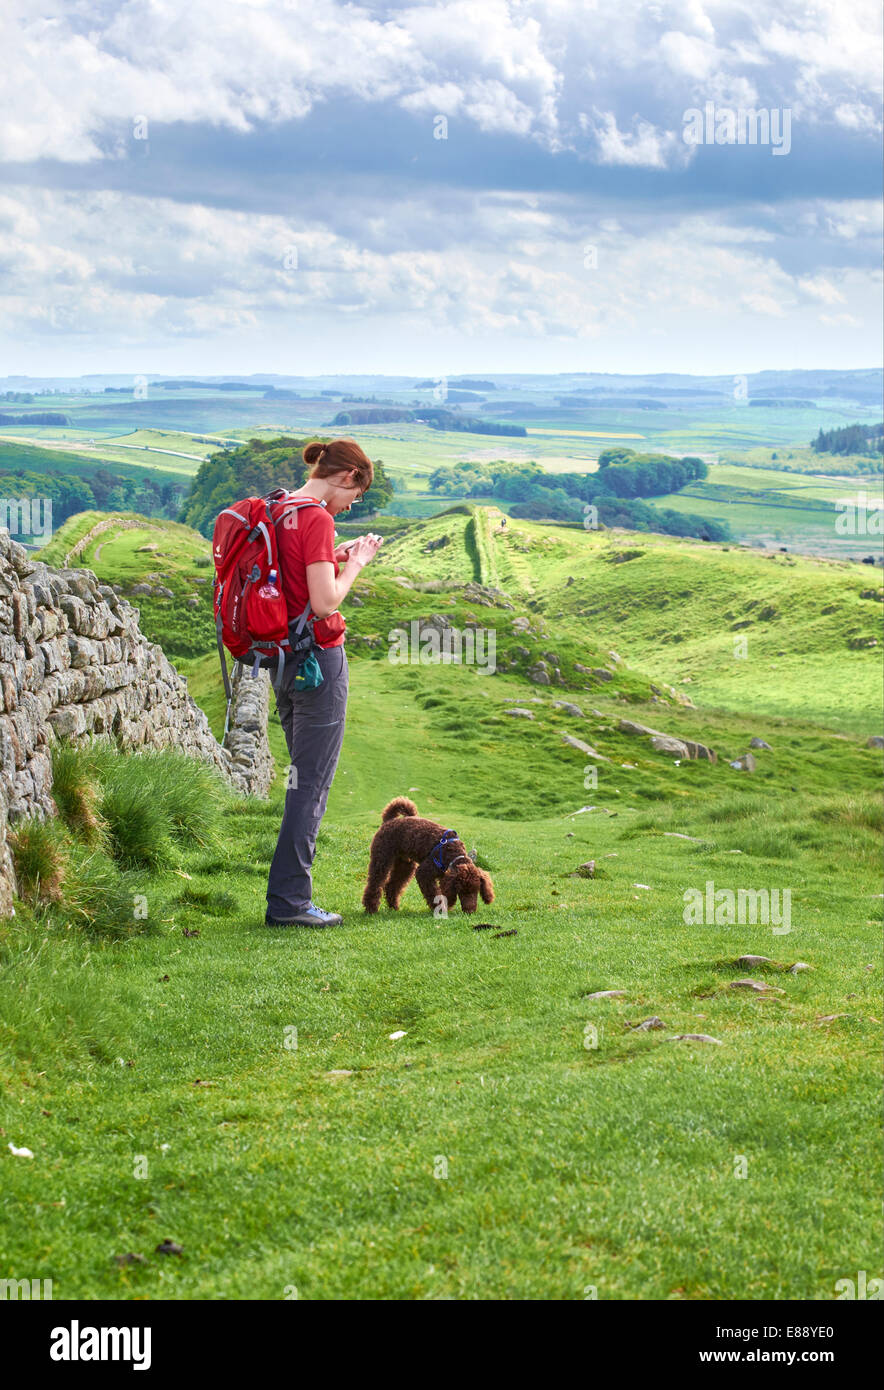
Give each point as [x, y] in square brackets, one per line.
[162, 554]
[522, 1139]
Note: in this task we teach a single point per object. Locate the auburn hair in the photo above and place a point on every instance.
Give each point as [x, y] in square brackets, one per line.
[339, 456]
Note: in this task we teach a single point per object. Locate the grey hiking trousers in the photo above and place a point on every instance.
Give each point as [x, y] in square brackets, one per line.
[313, 723]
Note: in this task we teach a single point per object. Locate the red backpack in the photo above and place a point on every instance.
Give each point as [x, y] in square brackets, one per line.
[253, 625]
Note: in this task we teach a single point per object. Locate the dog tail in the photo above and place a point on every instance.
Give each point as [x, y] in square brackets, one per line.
[399, 806]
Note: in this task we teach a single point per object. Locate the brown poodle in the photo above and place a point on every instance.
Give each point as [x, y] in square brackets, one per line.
[406, 841]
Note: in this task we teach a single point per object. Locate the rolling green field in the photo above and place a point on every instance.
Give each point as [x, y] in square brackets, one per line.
[763, 503]
[238, 1090]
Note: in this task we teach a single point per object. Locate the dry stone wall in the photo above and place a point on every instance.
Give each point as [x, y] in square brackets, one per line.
[74, 663]
[113, 523]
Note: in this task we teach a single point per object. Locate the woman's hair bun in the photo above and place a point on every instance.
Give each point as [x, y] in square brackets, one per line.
[313, 452]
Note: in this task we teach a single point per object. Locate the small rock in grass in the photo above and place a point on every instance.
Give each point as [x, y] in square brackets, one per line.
[129, 1259]
[646, 1024]
[338, 1073]
[583, 747]
[759, 743]
[829, 1018]
[696, 1037]
[798, 967]
[520, 713]
[606, 994]
[754, 960]
[586, 870]
[744, 764]
[759, 986]
[394, 1037]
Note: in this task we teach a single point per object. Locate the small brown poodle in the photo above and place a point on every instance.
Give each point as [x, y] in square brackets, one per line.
[406, 842]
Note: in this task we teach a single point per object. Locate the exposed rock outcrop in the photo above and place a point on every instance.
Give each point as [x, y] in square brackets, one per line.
[667, 743]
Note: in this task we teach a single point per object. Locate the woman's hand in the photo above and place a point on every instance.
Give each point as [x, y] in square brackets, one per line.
[326, 591]
[363, 550]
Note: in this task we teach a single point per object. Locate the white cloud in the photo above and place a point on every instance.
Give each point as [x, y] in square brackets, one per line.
[159, 271]
[646, 147]
[822, 289]
[77, 76]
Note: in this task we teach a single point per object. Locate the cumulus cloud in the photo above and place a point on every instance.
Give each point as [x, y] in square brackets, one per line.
[566, 125]
[77, 76]
[159, 269]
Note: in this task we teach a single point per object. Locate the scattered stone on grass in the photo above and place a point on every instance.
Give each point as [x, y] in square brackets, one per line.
[744, 764]
[585, 748]
[646, 1025]
[606, 994]
[667, 743]
[696, 1037]
[759, 986]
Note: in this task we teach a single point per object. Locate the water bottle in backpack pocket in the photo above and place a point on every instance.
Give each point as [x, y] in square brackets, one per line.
[266, 610]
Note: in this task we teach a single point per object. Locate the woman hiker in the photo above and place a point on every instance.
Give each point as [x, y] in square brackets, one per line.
[313, 720]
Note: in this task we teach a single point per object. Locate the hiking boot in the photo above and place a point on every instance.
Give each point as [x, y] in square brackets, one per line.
[310, 916]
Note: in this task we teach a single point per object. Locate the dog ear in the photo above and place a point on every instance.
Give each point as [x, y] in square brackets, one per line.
[486, 887]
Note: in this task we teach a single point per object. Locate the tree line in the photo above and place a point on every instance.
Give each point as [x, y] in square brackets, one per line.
[850, 439]
[624, 477]
[36, 418]
[255, 469]
[101, 491]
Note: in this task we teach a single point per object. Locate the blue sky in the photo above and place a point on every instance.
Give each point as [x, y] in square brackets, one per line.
[259, 185]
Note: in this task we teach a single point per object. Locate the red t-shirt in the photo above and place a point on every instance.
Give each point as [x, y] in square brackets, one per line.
[303, 538]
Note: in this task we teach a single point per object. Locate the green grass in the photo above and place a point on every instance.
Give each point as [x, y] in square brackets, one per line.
[521, 1140]
[567, 1165]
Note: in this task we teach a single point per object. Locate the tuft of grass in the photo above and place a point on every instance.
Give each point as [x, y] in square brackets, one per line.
[103, 900]
[208, 901]
[39, 859]
[138, 828]
[186, 795]
[76, 792]
[191, 794]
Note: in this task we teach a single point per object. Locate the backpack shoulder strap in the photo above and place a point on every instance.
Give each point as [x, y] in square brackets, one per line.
[293, 507]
